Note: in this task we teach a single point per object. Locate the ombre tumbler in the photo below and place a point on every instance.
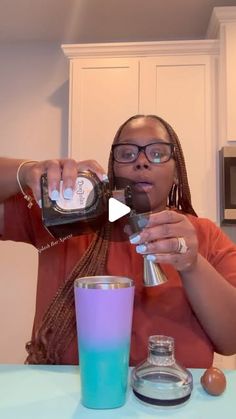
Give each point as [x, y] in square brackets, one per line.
[104, 308]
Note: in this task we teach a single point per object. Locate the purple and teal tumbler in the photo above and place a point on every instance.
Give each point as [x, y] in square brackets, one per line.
[104, 308]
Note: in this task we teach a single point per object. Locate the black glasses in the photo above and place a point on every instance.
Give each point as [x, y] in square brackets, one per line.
[158, 152]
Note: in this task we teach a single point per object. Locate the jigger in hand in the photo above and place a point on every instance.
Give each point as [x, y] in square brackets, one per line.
[153, 274]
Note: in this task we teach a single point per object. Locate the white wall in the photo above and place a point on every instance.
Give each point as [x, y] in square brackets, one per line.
[33, 124]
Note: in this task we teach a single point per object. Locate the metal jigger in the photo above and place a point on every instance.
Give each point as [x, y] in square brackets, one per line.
[153, 274]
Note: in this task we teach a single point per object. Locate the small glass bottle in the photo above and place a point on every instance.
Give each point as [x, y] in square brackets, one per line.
[160, 380]
[86, 211]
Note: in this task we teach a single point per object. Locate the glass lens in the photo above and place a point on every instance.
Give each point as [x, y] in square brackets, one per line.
[124, 153]
[158, 152]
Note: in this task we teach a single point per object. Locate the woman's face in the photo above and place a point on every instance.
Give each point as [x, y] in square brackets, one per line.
[151, 182]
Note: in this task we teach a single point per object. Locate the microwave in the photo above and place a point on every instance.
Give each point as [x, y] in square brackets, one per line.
[227, 168]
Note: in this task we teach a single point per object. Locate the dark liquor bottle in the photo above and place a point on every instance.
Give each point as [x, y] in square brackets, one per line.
[86, 211]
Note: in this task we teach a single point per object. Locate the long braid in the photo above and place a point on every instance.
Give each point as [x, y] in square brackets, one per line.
[180, 196]
[98, 257]
[58, 324]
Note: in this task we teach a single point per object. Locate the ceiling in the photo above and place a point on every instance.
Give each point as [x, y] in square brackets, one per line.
[92, 21]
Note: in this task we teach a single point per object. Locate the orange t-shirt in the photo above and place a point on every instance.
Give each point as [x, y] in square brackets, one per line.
[157, 310]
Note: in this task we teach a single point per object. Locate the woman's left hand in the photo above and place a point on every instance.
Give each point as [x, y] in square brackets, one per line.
[168, 237]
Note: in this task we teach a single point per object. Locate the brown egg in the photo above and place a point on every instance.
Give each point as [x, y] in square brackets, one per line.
[213, 381]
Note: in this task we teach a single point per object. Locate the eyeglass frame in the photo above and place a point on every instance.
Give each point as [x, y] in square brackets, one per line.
[143, 148]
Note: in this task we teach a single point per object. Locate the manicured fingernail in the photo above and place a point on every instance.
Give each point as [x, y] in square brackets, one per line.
[135, 239]
[141, 248]
[105, 178]
[54, 195]
[39, 202]
[68, 193]
[142, 222]
[151, 258]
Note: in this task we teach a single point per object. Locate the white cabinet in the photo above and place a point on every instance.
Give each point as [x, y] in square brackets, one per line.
[181, 90]
[222, 26]
[111, 82]
[103, 93]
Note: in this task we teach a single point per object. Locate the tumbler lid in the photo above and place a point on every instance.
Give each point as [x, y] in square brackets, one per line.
[104, 282]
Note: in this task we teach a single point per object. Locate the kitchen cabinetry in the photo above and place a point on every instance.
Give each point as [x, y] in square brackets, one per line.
[110, 82]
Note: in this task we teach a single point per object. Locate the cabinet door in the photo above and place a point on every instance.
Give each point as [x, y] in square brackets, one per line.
[181, 90]
[103, 94]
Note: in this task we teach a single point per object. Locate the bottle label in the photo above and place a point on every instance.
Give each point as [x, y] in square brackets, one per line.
[83, 196]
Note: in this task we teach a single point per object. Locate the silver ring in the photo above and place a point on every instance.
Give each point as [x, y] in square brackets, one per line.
[182, 247]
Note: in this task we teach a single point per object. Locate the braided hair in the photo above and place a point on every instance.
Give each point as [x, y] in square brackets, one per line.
[58, 326]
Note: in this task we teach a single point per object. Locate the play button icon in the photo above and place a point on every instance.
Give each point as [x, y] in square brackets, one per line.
[116, 210]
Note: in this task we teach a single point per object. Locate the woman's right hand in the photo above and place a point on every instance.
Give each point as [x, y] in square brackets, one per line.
[57, 170]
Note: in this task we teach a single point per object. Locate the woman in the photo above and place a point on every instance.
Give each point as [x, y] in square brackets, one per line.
[197, 305]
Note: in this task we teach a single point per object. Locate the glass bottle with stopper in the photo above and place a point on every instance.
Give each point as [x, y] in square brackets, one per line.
[153, 274]
[86, 211]
[160, 380]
